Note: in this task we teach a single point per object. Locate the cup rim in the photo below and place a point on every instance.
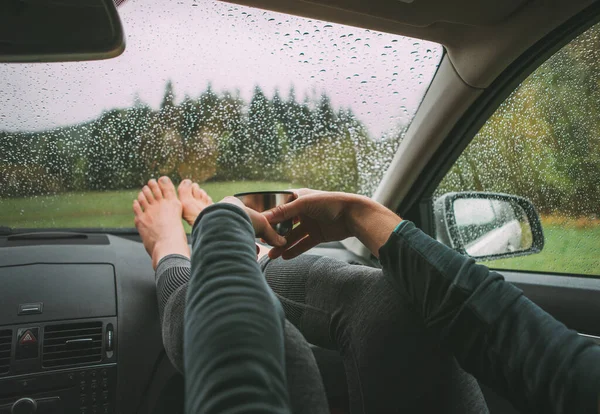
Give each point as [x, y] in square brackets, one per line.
[263, 192]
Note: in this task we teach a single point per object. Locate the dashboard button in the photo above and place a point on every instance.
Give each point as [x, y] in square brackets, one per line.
[24, 406]
[27, 343]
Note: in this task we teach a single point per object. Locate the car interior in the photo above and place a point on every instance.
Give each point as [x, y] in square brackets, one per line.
[79, 324]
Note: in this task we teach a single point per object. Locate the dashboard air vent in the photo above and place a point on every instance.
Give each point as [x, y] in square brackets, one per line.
[5, 350]
[72, 344]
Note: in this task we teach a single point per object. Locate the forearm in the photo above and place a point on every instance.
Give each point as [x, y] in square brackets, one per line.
[496, 333]
[233, 343]
[370, 222]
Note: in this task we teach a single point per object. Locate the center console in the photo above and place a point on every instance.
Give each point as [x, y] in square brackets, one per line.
[58, 336]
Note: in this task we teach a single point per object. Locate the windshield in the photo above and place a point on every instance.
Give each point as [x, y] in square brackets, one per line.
[235, 98]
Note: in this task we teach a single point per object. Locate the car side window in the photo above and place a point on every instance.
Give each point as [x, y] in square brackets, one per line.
[543, 144]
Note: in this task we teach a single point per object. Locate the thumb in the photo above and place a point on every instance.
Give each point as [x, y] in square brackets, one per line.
[264, 230]
[284, 212]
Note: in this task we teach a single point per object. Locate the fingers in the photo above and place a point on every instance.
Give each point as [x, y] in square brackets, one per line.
[301, 192]
[302, 246]
[269, 235]
[142, 199]
[298, 233]
[166, 187]
[293, 237]
[262, 228]
[156, 191]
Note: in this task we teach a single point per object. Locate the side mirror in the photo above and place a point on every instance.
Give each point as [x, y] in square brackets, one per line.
[488, 226]
[66, 30]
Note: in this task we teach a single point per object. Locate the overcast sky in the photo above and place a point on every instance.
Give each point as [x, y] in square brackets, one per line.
[381, 77]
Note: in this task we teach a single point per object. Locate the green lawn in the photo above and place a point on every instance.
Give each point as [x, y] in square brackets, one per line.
[567, 249]
[99, 209]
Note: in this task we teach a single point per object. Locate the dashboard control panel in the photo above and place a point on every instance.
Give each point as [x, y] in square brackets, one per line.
[90, 390]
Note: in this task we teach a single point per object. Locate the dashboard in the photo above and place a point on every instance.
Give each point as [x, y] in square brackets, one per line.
[80, 330]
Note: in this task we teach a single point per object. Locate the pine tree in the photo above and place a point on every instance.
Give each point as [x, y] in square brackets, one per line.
[262, 129]
[279, 108]
[168, 97]
[325, 120]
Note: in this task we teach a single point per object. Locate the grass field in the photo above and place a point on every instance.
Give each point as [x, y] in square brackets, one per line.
[568, 249]
[571, 246]
[110, 209]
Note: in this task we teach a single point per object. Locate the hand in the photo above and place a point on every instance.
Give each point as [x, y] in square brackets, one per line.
[328, 216]
[262, 228]
[323, 217]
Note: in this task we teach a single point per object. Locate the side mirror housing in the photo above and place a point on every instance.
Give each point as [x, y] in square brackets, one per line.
[54, 31]
[488, 226]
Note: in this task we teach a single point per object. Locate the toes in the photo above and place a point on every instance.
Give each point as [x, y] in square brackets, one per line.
[167, 188]
[198, 192]
[147, 195]
[137, 208]
[156, 191]
[142, 200]
[185, 188]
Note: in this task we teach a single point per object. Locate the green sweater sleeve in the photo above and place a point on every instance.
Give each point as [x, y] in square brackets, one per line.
[496, 333]
[233, 336]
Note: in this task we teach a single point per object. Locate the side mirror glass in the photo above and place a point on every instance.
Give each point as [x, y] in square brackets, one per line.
[66, 30]
[488, 226]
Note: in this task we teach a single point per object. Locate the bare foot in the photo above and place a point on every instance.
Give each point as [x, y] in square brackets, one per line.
[158, 220]
[193, 200]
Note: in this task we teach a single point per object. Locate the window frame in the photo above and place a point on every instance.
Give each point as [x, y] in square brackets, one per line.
[418, 204]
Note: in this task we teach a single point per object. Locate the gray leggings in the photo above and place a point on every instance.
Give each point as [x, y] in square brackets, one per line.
[393, 363]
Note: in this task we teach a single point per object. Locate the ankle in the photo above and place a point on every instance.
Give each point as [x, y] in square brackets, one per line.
[165, 248]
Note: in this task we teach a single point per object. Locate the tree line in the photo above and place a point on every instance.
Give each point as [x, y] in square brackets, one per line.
[217, 136]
